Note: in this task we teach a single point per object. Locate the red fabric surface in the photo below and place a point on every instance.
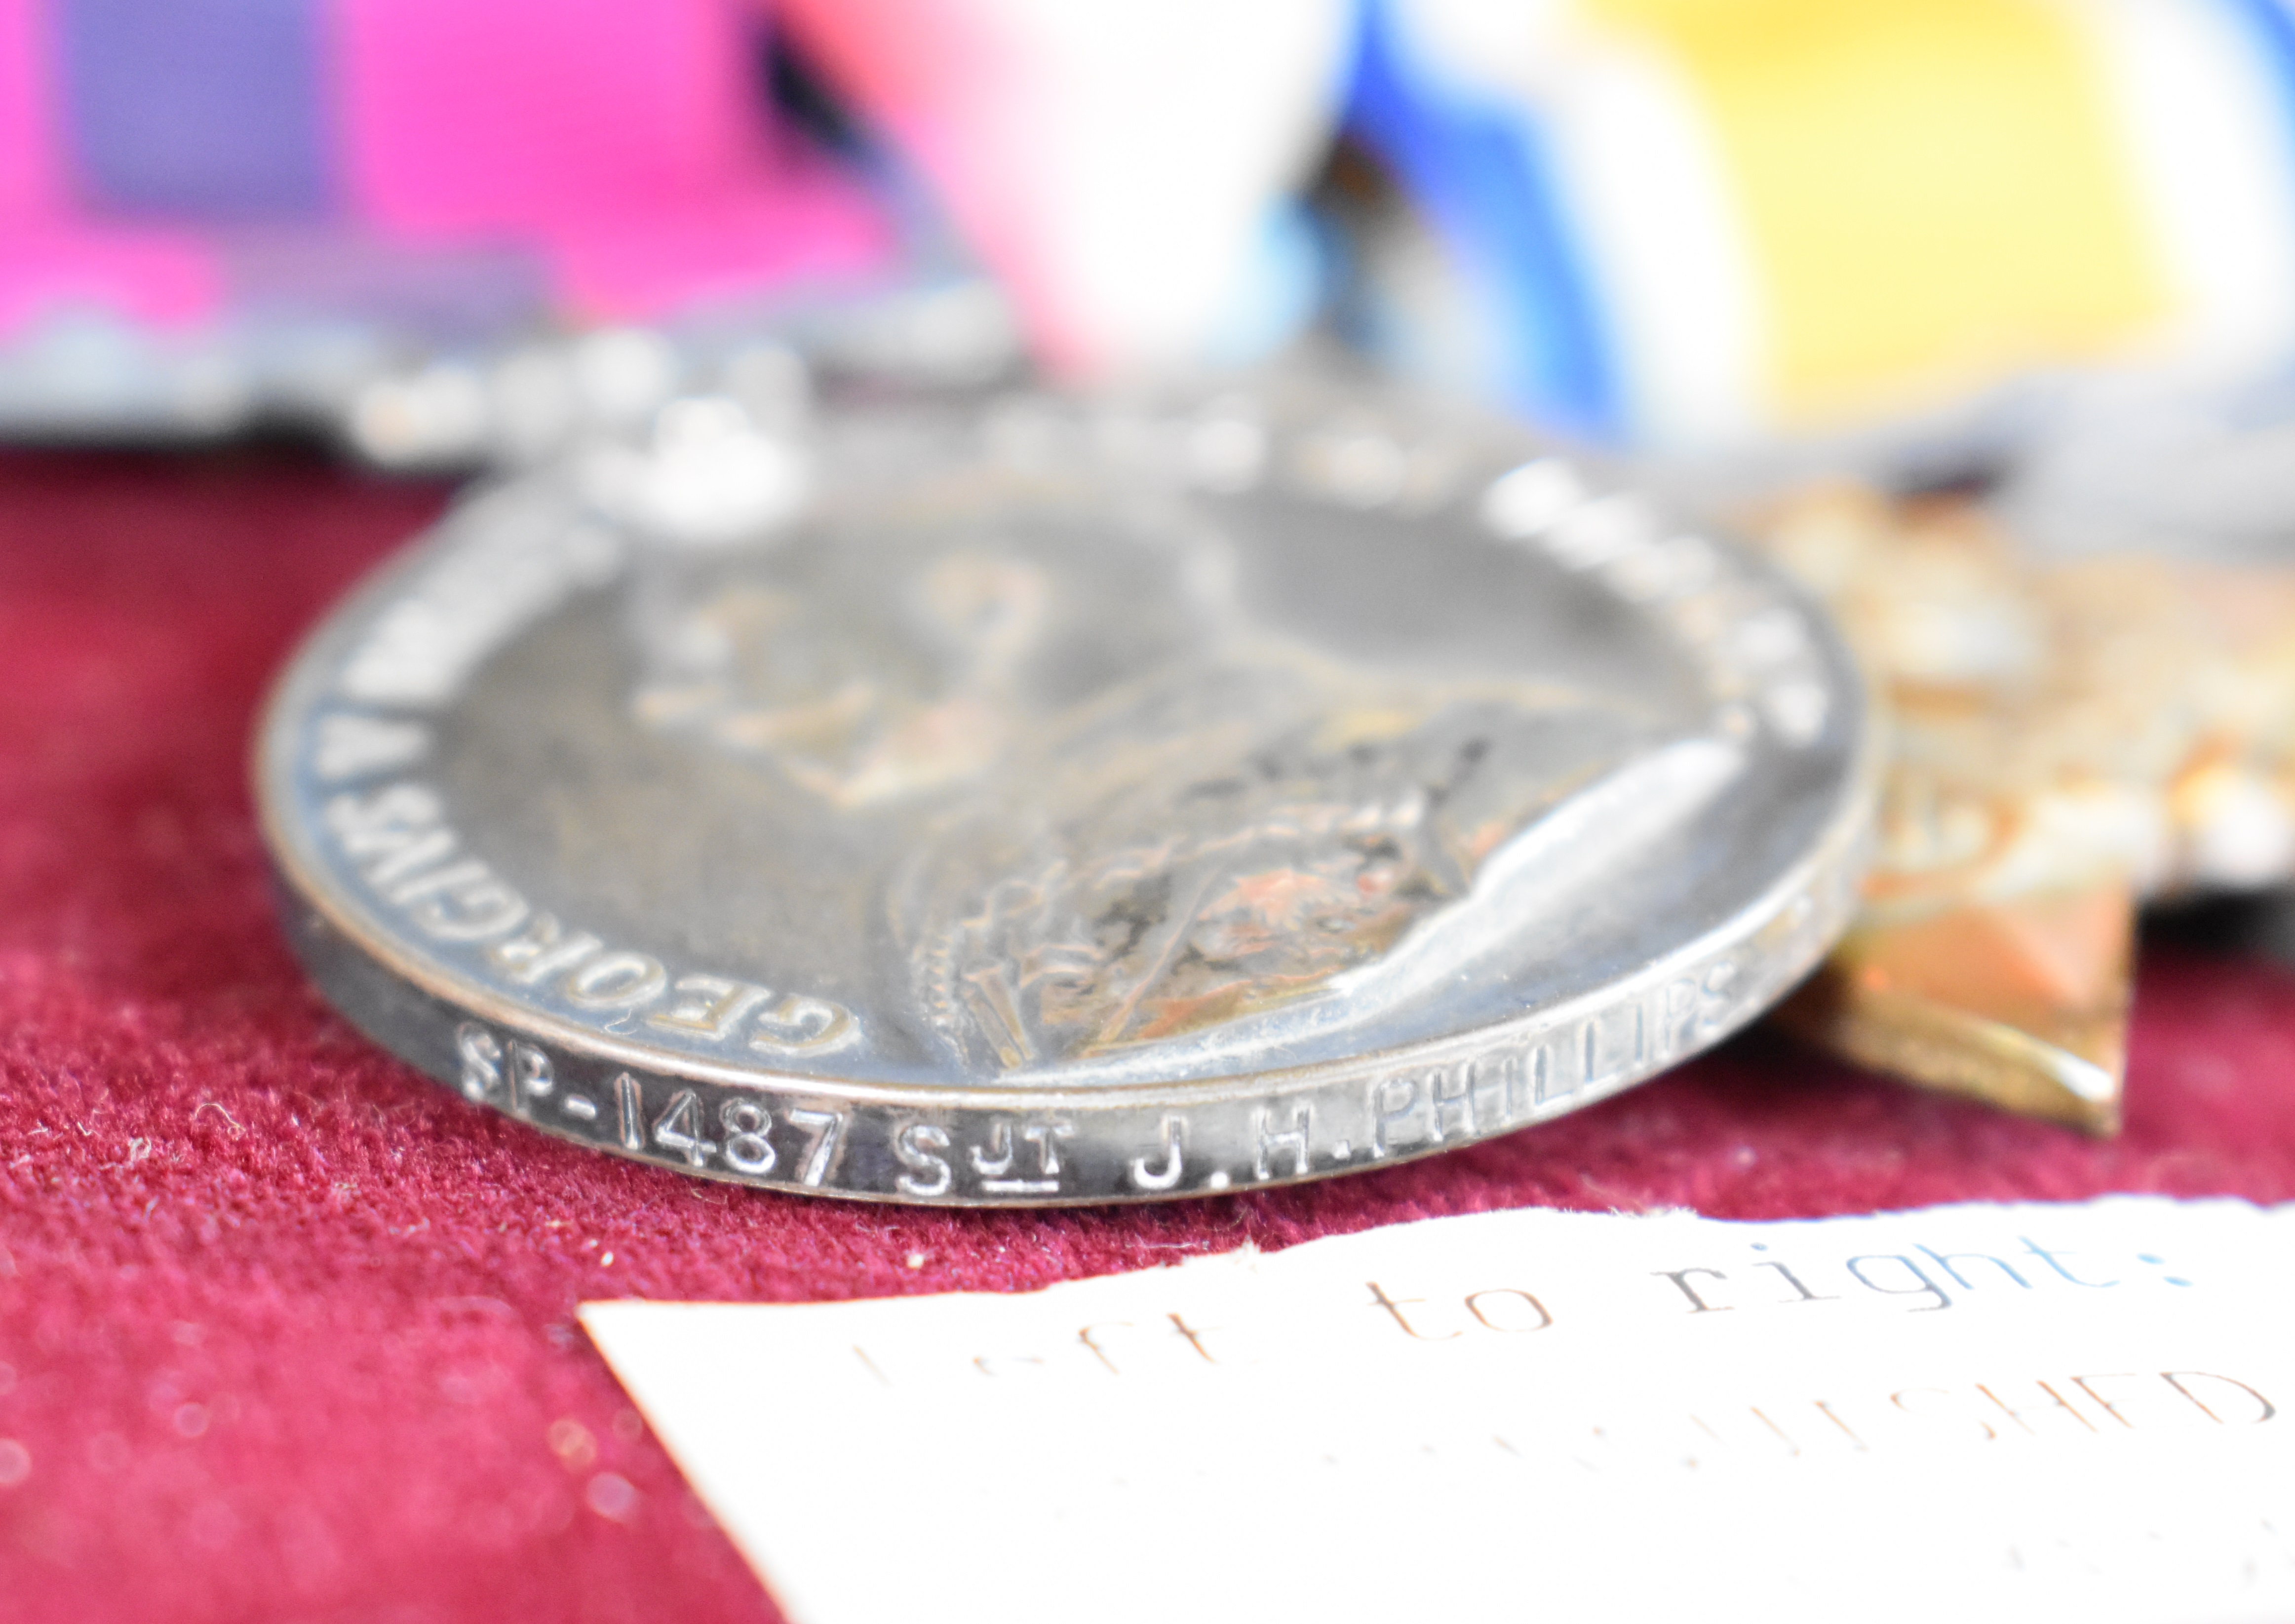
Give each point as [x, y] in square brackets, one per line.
[286, 1331]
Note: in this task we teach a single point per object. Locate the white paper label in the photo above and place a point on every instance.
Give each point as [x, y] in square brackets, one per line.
[1972, 1413]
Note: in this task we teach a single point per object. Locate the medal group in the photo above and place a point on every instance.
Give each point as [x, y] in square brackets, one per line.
[968, 769]
[779, 752]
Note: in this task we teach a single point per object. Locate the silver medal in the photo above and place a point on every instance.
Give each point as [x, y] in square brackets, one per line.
[1049, 802]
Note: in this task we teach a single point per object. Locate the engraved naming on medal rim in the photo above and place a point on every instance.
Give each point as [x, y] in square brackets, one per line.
[1070, 801]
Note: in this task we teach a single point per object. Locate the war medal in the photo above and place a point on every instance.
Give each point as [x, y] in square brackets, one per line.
[1051, 802]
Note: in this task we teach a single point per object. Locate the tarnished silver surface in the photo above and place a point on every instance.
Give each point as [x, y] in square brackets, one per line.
[1044, 802]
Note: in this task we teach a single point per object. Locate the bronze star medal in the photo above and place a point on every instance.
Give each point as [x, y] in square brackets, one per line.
[2070, 739]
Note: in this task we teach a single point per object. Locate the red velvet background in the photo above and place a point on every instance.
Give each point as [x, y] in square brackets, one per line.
[286, 1331]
